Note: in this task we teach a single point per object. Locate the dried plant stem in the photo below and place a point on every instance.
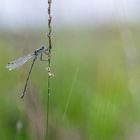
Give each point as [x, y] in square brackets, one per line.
[49, 65]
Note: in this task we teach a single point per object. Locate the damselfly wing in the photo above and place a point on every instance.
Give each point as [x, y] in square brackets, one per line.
[19, 62]
[22, 60]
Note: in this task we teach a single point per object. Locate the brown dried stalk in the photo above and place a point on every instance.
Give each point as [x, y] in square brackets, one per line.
[49, 65]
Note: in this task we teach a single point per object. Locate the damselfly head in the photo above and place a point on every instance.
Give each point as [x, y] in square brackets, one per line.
[42, 48]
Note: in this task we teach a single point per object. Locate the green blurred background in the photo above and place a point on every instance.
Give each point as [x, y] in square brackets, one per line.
[95, 90]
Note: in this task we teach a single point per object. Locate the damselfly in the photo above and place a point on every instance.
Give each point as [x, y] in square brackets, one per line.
[19, 62]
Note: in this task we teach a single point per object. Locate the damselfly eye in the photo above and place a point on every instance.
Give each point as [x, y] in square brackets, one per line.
[43, 47]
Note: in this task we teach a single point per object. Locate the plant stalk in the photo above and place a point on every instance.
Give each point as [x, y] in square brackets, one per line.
[49, 65]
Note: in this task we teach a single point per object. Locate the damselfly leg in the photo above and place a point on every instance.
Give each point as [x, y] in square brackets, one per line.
[41, 56]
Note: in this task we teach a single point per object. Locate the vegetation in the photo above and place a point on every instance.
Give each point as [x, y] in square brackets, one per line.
[95, 89]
